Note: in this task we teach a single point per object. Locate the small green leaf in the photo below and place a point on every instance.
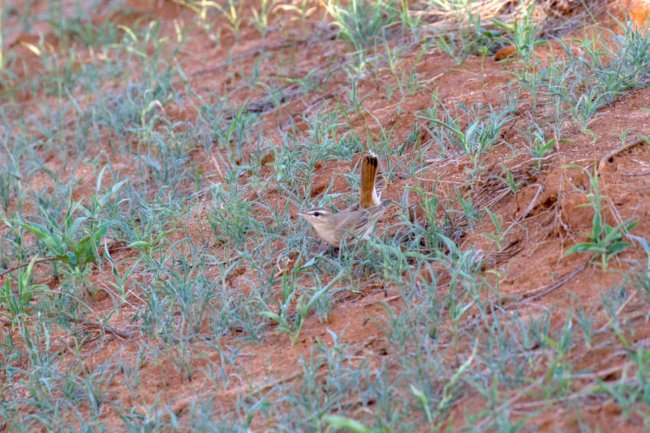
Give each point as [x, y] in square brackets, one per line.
[341, 422]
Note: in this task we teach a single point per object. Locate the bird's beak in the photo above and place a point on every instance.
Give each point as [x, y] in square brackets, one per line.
[300, 214]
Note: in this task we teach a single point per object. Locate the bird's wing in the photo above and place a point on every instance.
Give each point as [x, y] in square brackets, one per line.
[352, 222]
[375, 212]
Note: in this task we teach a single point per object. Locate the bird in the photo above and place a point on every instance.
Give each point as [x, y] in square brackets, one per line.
[356, 222]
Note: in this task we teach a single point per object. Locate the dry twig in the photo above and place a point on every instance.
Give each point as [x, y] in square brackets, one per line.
[609, 156]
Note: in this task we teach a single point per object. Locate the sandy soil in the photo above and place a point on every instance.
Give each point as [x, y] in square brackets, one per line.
[547, 210]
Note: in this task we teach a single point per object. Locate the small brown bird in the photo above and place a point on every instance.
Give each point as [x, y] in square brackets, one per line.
[358, 221]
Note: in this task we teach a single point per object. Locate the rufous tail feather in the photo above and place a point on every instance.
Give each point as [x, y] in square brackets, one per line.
[368, 194]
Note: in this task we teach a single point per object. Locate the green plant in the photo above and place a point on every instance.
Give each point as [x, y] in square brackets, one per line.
[9, 185]
[594, 71]
[361, 22]
[510, 181]
[84, 31]
[301, 8]
[230, 132]
[409, 20]
[468, 209]
[646, 248]
[470, 39]
[524, 33]
[74, 242]
[147, 244]
[451, 388]
[604, 241]
[338, 422]
[477, 137]
[261, 18]
[427, 232]
[17, 300]
[292, 323]
[232, 13]
[232, 218]
[540, 147]
[500, 234]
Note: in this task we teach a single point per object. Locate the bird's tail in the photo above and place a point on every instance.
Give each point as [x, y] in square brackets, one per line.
[368, 196]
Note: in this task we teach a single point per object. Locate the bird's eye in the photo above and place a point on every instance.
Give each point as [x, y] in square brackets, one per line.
[316, 214]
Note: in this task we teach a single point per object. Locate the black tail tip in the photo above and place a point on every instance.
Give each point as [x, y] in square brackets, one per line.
[371, 157]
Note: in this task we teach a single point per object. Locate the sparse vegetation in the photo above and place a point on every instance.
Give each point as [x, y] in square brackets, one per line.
[153, 273]
[604, 241]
